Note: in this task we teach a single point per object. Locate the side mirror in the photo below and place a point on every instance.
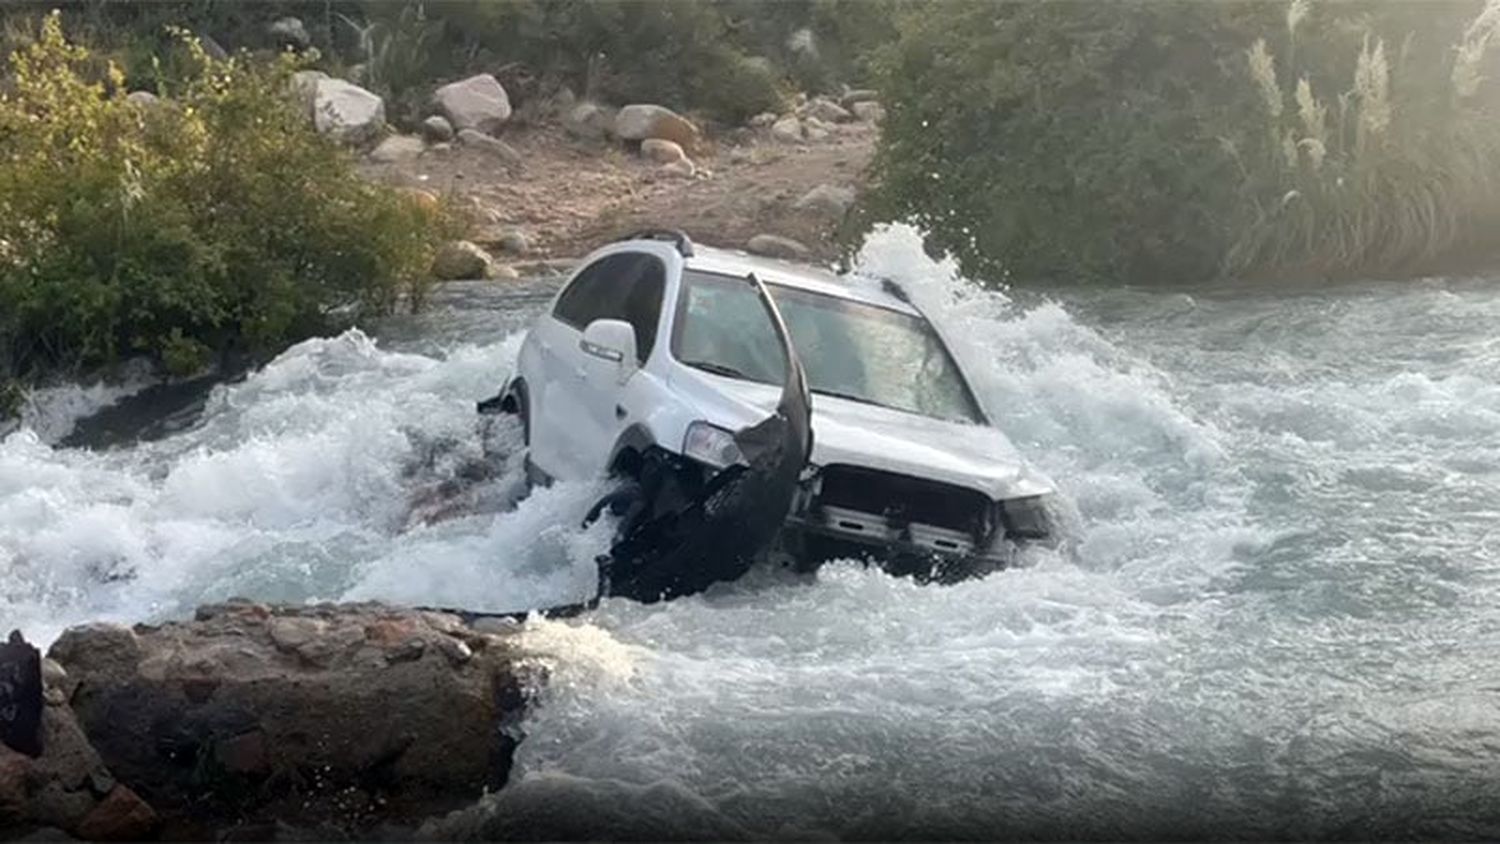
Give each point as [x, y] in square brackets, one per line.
[611, 340]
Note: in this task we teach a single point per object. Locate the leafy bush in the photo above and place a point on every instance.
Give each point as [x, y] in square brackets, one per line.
[1158, 141]
[215, 221]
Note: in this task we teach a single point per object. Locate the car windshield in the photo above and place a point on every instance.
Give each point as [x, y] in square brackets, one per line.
[850, 349]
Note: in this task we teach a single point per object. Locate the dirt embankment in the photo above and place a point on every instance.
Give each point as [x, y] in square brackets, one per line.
[567, 195]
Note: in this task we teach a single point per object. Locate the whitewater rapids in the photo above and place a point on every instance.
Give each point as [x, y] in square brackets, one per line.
[1276, 620]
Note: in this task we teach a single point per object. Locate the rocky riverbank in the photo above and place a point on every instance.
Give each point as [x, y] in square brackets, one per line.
[553, 175]
[257, 722]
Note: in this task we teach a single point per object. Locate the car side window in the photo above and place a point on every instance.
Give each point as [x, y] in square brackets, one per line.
[626, 286]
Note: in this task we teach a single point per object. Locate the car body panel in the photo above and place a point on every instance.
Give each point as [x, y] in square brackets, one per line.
[582, 416]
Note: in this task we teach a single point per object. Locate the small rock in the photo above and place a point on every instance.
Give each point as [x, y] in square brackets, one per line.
[683, 169]
[387, 633]
[397, 148]
[495, 147]
[461, 259]
[291, 634]
[289, 32]
[854, 96]
[826, 200]
[640, 121]
[54, 697]
[787, 129]
[514, 241]
[409, 650]
[662, 151]
[122, 816]
[869, 111]
[478, 103]
[455, 651]
[437, 129]
[740, 155]
[764, 120]
[589, 121]
[828, 111]
[775, 246]
[504, 272]
[324, 650]
[346, 112]
[817, 133]
[144, 99]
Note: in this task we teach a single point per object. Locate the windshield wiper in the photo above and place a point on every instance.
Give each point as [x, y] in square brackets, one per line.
[717, 369]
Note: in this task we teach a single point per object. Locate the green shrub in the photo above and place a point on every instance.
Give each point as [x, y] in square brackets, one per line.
[214, 221]
[1133, 140]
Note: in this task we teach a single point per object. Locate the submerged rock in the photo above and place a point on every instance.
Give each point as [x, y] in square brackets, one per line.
[361, 714]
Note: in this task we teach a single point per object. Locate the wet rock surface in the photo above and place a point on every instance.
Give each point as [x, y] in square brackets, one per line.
[251, 718]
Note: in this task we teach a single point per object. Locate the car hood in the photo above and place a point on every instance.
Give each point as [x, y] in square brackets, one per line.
[860, 434]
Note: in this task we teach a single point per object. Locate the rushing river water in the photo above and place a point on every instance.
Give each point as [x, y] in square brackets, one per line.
[1279, 617]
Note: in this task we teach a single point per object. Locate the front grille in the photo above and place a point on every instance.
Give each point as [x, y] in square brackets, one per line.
[903, 499]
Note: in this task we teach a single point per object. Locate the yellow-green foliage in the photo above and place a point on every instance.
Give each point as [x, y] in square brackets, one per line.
[213, 221]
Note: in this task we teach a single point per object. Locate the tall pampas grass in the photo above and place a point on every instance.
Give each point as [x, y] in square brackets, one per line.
[1393, 178]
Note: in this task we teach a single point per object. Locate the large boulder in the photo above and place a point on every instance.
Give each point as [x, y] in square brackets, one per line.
[478, 102]
[346, 112]
[304, 714]
[641, 121]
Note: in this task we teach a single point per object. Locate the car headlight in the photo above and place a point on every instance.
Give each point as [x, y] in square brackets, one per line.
[1028, 518]
[712, 445]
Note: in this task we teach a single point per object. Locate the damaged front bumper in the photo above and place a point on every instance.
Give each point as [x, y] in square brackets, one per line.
[916, 523]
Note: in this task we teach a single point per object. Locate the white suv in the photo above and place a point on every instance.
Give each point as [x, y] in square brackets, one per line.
[658, 350]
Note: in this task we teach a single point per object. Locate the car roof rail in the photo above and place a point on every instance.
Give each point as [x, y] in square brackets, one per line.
[891, 288]
[678, 237]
